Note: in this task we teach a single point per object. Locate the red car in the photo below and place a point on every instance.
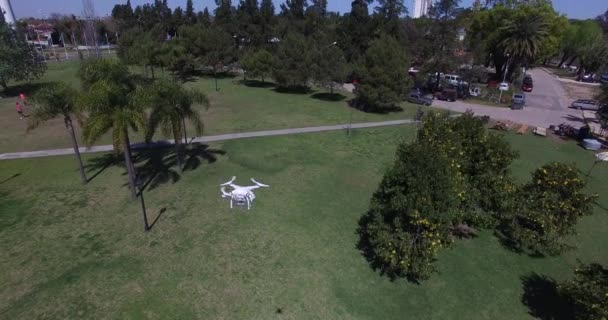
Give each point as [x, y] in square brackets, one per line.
[527, 84]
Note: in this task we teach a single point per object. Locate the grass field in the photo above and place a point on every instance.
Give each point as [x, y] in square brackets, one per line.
[71, 251]
[236, 107]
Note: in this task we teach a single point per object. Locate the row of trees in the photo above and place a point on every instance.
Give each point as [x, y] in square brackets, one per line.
[453, 180]
[112, 100]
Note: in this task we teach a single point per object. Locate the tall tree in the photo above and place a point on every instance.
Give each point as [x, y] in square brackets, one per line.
[329, 65]
[258, 63]
[18, 60]
[356, 29]
[441, 39]
[59, 100]
[108, 98]
[592, 51]
[224, 17]
[586, 293]
[171, 105]
[267, 20]
[319, 7]
[292, 61]
[383, 76]
[190, 16]
[294, 8]
[523, 38]
[249, 21]
[389, 12]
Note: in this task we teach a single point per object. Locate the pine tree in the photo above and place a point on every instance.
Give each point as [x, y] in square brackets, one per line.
[292, 62]
[294, 8]
[356, 27]
[190, 16]
[383, 76]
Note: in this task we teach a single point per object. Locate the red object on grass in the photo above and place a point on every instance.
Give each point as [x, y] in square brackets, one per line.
[19, 108]
[22, 97]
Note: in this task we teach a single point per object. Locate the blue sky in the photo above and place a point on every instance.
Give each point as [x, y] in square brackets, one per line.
[579, 9]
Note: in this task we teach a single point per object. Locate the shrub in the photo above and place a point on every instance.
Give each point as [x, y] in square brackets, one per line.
[411, 212]
[481, 157]
[587, 293]
[546, 210]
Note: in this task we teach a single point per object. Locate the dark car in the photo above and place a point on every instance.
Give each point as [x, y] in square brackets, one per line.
[447, 95]
[604, 79]
[418, 98]
[527, 85]
[589, 77]
[518, 101]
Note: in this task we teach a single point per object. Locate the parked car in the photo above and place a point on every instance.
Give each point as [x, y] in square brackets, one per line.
[527, 85]
[419, 98]
[416, 90]
[452, 79]
[503, 86]
[447, 95]
[518, 101]
[604, 79]
[589, 77]
[583, 104]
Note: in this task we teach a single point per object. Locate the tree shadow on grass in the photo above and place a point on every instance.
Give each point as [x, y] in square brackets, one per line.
[159, 164]
[26, 88]
[98, 165]
[355, 103]
[542, 298]
[294, 89]
[257, 84]
[326, 96]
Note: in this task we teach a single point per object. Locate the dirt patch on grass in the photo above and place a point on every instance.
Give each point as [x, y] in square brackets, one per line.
[580, 91]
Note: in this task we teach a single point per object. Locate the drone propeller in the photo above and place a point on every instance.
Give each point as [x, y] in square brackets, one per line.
[229, 182]
[259, 184]
[224, 193]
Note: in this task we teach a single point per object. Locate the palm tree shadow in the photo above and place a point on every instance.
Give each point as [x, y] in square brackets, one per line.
[158, 164]
[100, 164]
[198, 153]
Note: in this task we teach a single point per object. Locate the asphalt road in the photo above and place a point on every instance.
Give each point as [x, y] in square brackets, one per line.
[546, 105]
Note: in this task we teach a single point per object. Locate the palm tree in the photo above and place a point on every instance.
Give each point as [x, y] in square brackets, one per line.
[58, 100]
[171, 105]
[109, 99]
[523, 37]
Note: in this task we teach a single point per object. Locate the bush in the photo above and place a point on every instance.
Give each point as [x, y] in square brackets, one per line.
[587, 293]
[482, 159]
[546, 210]
[411, 212]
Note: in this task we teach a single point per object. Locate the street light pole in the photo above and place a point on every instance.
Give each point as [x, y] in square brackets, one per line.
[140, 184]
[504, 78]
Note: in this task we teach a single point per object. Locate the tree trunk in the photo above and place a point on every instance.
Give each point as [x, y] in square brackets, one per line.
[331, 88]
[561, 62]
[571, 61]
[130, 167]
[262, 78]
[70, 127]
[152, 70]
[179, 153]
[185, 134]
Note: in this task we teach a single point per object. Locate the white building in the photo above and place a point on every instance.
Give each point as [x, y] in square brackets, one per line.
[9, 16]
[421, 8]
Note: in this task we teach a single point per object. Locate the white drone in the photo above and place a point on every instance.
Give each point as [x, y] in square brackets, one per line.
[240, 195]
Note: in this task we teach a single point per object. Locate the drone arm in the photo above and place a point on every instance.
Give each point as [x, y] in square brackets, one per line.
[229, 182]
[224, 193]
[259, 184]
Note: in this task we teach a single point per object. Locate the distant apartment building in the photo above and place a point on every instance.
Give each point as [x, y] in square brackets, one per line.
[421, 8]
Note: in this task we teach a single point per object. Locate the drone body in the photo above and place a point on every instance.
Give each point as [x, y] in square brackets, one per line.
[240, 195]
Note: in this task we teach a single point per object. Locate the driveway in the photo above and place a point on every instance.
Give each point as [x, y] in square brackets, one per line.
[546, 105]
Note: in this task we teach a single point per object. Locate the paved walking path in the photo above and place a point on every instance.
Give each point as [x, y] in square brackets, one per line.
[220, 137]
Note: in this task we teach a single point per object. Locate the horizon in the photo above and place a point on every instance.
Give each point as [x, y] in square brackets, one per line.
[582, 9]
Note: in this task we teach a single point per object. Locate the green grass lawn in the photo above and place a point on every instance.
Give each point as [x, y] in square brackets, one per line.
[72, 251]
[236, 107]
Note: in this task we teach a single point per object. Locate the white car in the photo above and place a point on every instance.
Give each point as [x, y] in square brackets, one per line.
[503, 86]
